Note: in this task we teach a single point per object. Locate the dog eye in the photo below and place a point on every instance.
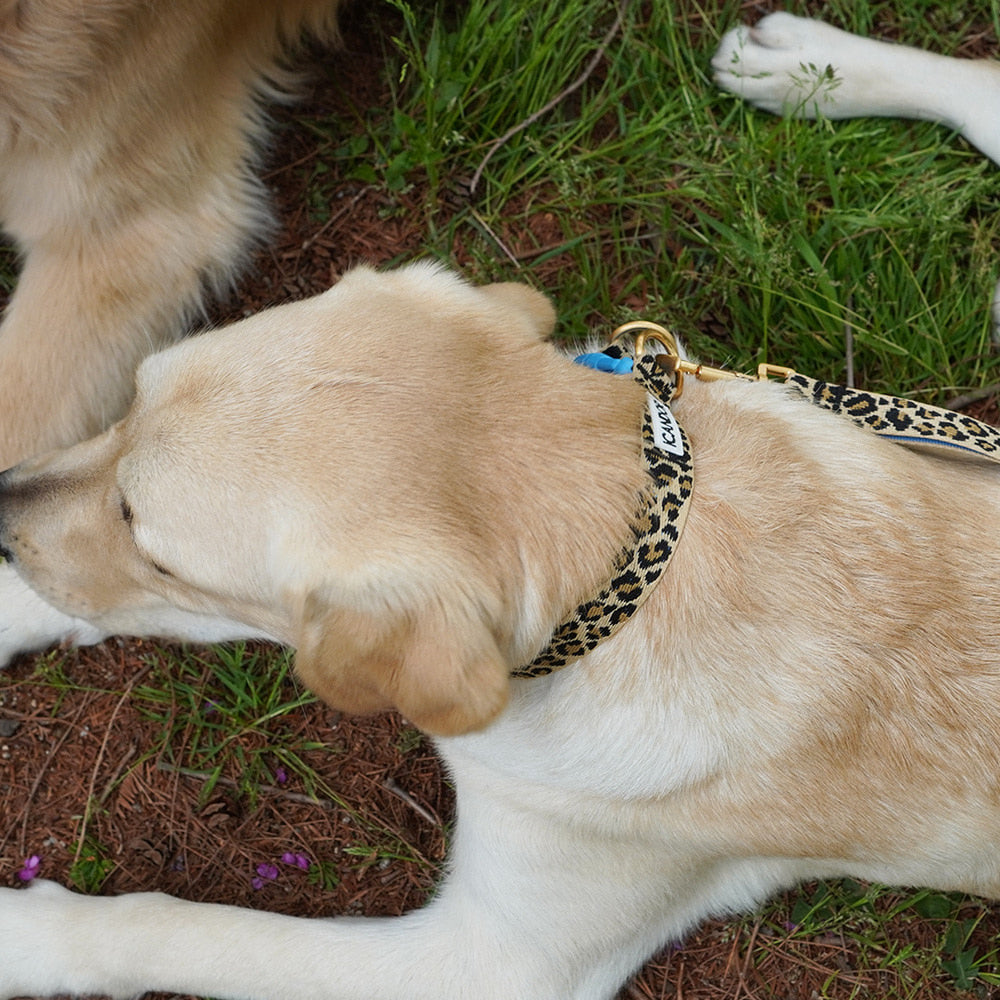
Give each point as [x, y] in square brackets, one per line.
[127, 517]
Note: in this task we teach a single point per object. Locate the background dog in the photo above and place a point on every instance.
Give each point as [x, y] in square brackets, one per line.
[129, 135]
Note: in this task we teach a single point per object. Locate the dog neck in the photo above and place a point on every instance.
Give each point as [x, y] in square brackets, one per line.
[662, 510]
[576, 480]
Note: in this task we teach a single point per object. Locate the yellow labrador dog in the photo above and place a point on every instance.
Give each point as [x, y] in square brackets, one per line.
[128, 134]
[404, 481]
[401, 479]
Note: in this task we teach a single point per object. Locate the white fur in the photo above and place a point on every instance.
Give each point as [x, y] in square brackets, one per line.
[29, 624]
[780, 65]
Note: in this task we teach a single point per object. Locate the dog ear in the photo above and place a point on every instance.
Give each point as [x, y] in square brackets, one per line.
[515, 299]
[447, 677]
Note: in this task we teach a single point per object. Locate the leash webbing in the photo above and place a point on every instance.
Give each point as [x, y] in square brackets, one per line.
[916, 425]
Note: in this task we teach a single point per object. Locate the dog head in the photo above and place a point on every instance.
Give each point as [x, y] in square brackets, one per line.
[318, 474]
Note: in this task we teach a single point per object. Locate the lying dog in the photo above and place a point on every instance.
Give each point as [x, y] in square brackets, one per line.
[128, 135]
[810, 690]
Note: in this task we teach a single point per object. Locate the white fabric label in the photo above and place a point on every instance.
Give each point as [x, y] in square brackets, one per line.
[666, 433]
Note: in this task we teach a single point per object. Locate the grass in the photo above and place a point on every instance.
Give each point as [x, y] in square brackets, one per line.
[918, 941]
[233, 714]
[230, 712]
[234, 720]
[751, 236]
[648, 193]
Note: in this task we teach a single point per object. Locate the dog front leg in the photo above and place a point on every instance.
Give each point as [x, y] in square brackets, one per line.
[53, 941]
[796, 65]
[29, 624]
[529, 912]
[549, 897]
[84, 313]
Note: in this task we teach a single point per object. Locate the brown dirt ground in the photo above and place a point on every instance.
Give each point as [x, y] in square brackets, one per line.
[61, 749]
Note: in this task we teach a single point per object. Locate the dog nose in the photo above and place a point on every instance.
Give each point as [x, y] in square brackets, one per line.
[5, 552]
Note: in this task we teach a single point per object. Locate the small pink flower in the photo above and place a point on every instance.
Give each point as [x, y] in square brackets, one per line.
[30, 869]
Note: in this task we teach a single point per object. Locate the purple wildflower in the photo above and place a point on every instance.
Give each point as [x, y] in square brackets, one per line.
[265, 873]
[296, 860]
[30, 869]
[280, 775]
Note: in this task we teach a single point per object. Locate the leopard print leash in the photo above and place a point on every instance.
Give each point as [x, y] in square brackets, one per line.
[904, 421]
[667, 454]
[656, 529]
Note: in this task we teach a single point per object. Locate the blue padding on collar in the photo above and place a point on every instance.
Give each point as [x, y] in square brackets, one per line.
[605, 363]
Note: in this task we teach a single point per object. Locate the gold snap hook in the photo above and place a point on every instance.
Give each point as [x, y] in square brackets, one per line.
[648, 332]
[645, 332]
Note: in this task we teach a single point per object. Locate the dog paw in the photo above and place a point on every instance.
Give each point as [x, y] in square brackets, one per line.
[28, 624]
[795, 65]
[35, 928]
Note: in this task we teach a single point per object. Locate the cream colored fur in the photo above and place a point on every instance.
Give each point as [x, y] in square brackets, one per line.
[810, 691]
[128, 133]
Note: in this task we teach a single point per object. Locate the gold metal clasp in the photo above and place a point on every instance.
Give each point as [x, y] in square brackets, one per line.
[672, 361]
[648, 332]
[766, 371]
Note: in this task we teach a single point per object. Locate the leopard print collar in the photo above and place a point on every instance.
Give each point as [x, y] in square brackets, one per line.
[656, 529]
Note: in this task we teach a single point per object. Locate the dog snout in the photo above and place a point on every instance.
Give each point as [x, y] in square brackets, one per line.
[15, 492]
[6, 553]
